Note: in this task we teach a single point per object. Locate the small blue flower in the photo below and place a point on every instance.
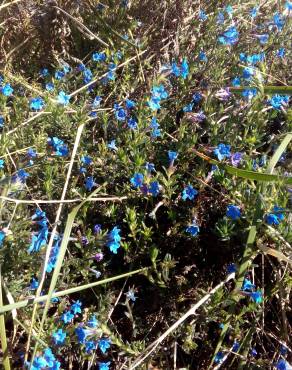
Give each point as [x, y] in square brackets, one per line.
[86, 160]
[279, 101]
[114, 240]
[235, 346]
[203, 57]
[193, 229]
[59, 75]
[184, 69]
[154, 188]
[257, 296]
[99, 57]
[120, 112]
[236, 82]
[130, 104]
[281, 365]
[253, 13]
[44, 72]
[63, 98]
[92, 322]
[247, 285]
[67, 317]
[231, 268]
[34, 284]
[137, 180]
[236, 158]
[112, 145]
[272, 219]
[222, 151]
[172, 156]
[281, 52]
[253, 352]
[104, 344]
[82, 334]
[233, 212]
[37, 103]
[263, 39]
[197, 97]
[248, 72]
[132, 123]
[89, 346]
[89, 183]
[76, 307]
[131, 295]
[104, 365]
[50, 86]
[2, 163]
[2, 237]
[219, 357]
[59, 337]
[249, 94]
[202, 15]
[279, 21]
[1, 121]
[7, 90]
[150, 167]
[220, 18]
[96, 102]
[229, 37]
[189, 193]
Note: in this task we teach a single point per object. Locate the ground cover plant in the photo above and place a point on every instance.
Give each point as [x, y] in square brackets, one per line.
[145, 185]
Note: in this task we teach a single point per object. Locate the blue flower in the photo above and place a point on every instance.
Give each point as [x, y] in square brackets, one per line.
[2, 237]
[150, 167]
[188, 108]
[272, 219]
[89, 183]
[137, 180]
[7, 90]
[222, 151]
[236, 158]
[281, 52]
[248, 72]
[50, 86]
[1, 163]
[76, 307]
[184, 69]
[114, 240]
[120, 112]
[54, 254]
[158, 93]
[288, 5]
[257, 296]
[1, 121]
[219, 357]
[231, 268]
[229, 37]
[175, 69]
[131, 295]
[236, 82]
[189, 193]
[193, 229]
[249, 94]
[279, 101]
[86, 160]
[31, 153]
[92, 322]
[130, 104]
[99, 57]
[172, 156]
[132, 123]
[104, 365]
[229, 10]
[278, 212]
[87, 74]
[203, 57]
[96, 102]
[40, 238]
[202, 16]
[220, 18]
[281, 365]
[82, 334]
[37, 103]
[59, 337]
[44, 72]
[67, 317]
[279, 21]
[63, 98]
[89, 346]
[197, 97]
[235, 346]
[59, 75]
[247, 285]
[112, 145]
[34, 284]
[263, 39]
[233, 212]
[104, 344]
[253, 352]
[154, 188]
[253, 13]
[39, 363]
[59, 147]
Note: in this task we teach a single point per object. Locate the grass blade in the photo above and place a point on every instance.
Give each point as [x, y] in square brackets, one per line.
[4, 348]
[287, 90]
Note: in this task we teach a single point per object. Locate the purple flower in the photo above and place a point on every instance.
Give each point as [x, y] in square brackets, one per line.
[97, 229]
[223, 94]
[98, 257]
